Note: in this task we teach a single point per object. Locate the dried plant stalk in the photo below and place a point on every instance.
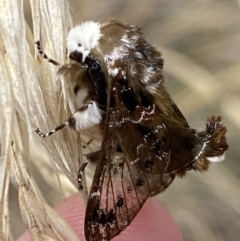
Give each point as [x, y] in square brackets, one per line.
[33, 95]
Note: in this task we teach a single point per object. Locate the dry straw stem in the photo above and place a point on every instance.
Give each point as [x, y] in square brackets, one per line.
[32, 95]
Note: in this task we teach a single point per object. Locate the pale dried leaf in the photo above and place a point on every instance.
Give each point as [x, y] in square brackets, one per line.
[4, 189]
[33, 95]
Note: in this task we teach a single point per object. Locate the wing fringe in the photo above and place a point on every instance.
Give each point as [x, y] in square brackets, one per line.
[212, 146]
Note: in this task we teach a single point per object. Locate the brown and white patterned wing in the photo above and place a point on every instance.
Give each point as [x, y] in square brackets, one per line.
[125, 177]
[132, 159]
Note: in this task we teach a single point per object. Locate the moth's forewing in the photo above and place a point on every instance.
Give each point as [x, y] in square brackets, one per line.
[132, 159]
[120, 188]
[181, 138]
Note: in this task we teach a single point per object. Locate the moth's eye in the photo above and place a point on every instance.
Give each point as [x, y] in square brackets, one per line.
[79, 45]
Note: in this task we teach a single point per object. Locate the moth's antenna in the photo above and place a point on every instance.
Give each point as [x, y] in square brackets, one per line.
[53, 131]
[40, 51]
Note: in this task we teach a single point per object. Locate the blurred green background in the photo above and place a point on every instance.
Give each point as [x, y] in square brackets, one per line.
[200, 44]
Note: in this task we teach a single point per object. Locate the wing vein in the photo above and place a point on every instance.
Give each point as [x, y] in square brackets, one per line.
[133, 184]
[124, 194]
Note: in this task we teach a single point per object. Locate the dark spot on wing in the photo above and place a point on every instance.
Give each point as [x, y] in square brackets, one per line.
[114, 168]
[95, 218]
[139, 182]
[146, 100]
[100, 217]
[128, 98]
[127, 95]
[119, 149]
[121, 164]
[110, 217]
[129, 189]
[120, 202]
[150, 138]
[145, 131]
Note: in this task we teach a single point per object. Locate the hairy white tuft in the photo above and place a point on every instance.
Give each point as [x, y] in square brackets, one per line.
[89, 117]
[84, 37]
[217, 159]
[113, 72]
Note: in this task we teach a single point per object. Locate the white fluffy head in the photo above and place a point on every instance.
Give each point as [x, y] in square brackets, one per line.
[83, 37]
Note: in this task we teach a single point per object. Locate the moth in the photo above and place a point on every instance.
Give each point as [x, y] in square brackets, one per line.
[146, 140]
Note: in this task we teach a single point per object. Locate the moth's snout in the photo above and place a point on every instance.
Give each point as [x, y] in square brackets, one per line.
[77, 56]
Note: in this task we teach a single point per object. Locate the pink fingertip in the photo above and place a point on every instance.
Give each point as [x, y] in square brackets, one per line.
[153, 222]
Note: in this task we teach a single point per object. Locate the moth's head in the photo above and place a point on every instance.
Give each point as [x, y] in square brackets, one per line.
[82, 39]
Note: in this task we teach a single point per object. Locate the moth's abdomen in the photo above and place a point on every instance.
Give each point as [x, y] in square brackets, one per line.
[214, 143]
[210, 146]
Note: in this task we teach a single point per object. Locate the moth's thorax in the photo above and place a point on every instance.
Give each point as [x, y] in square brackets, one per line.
[121, 49]
[126, 53]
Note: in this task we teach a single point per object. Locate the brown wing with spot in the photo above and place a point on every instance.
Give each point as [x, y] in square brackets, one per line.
[131, 163]
[182, 139]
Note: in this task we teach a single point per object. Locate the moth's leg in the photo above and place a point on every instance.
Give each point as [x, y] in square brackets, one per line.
[80, 174]
[91, 157]
[85, 117]
[53, 131]
[82, 119]
[40, 51]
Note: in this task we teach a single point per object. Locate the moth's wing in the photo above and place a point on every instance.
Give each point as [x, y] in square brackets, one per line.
[129, 170]
[121, 184]
[182, 139]
[179, 114]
